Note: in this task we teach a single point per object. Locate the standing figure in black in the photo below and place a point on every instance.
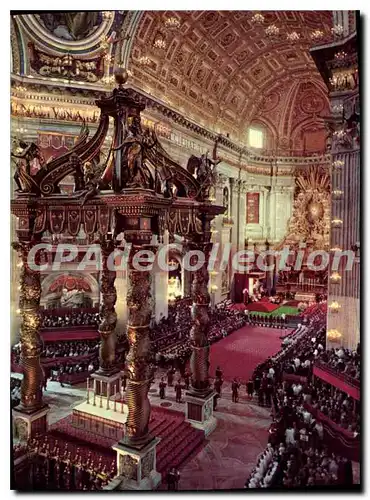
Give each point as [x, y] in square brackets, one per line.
[218, 373]
[162, 386]
[173, 477]
[250, 388]
[234, 388]
[217, 385]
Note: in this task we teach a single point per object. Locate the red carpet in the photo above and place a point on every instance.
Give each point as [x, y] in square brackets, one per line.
[240, 352]
[262, 307]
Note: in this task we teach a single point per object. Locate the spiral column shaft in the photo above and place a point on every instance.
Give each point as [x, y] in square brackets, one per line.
[199, 361]
[31, 343]
[138, 365]
[108, 297]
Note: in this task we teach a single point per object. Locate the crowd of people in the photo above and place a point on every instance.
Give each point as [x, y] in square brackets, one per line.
[222, 321]
[338, 406]
[70, 319]
[269, 321]
[61, 349]
[297, 455]
[70, 349]
[344, 361]
[71, 372]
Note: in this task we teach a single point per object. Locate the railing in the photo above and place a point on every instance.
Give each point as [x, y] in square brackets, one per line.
[339, 380]
[339, 440]
[63, 311]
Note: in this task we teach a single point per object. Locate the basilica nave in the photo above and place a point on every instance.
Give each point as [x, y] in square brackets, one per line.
[185, 266]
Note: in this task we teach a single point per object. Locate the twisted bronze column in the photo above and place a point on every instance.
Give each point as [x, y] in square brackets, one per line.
[138, 365]
[108, 297]
[31, 344]
[199, 361]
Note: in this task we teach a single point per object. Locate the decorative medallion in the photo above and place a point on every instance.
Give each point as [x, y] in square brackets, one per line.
[312, 103]
[269, 102]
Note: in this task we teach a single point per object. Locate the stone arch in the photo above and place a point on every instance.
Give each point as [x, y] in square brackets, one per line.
[51, 278]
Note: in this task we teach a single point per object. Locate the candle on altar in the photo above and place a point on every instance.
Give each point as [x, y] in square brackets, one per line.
[107, 402]
[121, 406]
[88, 390]
[115, 405]
[101, 400]
[94, 392]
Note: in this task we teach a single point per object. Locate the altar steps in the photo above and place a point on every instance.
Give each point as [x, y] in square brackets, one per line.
[178, 439]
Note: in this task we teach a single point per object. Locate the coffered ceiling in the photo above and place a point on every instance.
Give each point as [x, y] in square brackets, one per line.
[221, 70]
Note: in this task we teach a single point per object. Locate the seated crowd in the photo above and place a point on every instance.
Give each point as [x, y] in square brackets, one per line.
[338, 406]
[67, 372]
[61, 349]
[70, 349]
[70, 319]
[345, 361]
[297, 455]
[222, 322]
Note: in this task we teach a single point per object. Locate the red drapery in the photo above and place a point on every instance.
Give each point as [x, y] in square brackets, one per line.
[65, 334]
[332, 378]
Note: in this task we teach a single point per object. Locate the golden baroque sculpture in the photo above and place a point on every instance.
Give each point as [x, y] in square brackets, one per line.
[310, 221]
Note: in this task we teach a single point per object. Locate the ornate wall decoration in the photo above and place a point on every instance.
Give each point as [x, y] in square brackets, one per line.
[312, 103]
[270, 102]
[225, 280]
[253, 208]
[21, 429]
[53, 144]
[67, 67]
[147, 464]
[128, 467]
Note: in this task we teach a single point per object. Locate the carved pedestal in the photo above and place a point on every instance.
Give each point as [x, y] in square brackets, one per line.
[199, 412]
[27, 425]
[137, 467]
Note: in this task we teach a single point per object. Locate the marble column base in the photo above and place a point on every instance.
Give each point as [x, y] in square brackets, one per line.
[199, 412]
[27, 425]
[136, 467]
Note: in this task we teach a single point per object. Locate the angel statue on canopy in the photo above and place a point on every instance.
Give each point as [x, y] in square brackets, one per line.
[204, 170]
